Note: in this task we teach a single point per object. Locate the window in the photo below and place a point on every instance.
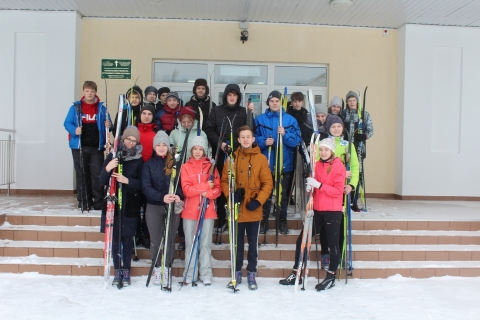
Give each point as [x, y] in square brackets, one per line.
[300, 76]
[234, 73]
[179, 72]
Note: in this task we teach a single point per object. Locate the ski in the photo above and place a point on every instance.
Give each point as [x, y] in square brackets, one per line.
[111, 201]
[278, 175]
[218, 237]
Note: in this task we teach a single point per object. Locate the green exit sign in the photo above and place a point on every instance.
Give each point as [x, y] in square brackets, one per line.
[116, 69]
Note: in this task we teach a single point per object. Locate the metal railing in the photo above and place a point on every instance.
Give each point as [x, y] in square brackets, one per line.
[7, 159]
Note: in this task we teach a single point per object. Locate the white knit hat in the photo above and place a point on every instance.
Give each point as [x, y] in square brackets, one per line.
[328, 143]
[199, 141]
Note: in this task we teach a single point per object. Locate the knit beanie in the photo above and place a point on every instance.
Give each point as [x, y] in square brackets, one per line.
[136, 89]
[187, 111]
[150, 89]
[173, 95]
[329, 143]
[150, 107]
[161, 137]
[199, 141]
[336, 101]
[131, 131]
[321, 108]
[332, 119]
[351, 94]
[273, 94]
[162, 91]
[201, 82]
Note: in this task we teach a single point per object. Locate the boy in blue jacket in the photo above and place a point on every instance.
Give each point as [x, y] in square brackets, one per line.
[85, 122]
[266, 133]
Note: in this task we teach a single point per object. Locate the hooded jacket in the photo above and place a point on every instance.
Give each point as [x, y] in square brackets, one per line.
[147, 134]
[177, 138]
[253, 174]
[304, 122]
[194, 176]
[329, 197]
[266, 126]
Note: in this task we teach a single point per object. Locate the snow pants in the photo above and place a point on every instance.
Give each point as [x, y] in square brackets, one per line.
[204, 264]
[92, 166]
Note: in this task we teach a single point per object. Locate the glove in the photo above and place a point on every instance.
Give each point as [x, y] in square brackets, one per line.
[238, 195]
[313, 183]
[228, 150]
[360, 137]
[178, 207]
[253, 205]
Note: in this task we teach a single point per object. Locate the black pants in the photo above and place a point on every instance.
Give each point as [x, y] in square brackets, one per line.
[284, 204]
[251, 229]
[92, 164]
[329, 221]
[221, 200]
[126, 253]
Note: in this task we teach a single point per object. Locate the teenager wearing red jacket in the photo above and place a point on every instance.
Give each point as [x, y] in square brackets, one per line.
[197, 184]
[327, 185]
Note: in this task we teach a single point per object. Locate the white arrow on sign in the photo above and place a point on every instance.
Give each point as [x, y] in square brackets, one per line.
[116, 63]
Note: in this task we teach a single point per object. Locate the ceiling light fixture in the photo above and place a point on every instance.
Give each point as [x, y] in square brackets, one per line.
[341, 5]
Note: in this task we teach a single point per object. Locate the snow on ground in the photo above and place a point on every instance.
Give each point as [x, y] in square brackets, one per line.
[34, 296]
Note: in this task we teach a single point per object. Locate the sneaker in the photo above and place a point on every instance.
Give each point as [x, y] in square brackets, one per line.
[207, 282]
[325, 261]
[126, 277]
[181, 245]
[238, 278]
[355, 208]
[252, 283]
[166, 279]
[283, 227]
[117, 278]
[290, 280]
[327, 283]
[262, 227]
[157, 276]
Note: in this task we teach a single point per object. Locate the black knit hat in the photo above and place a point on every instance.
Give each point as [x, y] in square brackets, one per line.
[173, 95]
[163, 90]
[150, 89]
[273, 94]
[150, 107]
[332, 119]
[136, 89]
[201, 82]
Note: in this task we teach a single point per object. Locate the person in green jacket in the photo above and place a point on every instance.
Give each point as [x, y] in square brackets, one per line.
[187, 121]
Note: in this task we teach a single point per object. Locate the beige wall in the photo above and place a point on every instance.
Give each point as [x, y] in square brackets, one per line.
[356, 57]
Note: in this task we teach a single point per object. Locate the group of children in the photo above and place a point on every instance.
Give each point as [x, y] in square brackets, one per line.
[158, 122]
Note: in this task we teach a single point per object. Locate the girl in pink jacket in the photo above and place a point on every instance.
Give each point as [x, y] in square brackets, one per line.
[197, 187]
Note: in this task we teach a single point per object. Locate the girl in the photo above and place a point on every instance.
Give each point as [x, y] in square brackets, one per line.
[197, 184]
[130, 153]
[156, 175]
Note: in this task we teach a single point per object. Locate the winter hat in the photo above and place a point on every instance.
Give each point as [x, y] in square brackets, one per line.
[150, 107]
[336, 101]
[150, 89]
[321, 108]
[329, 143]
[351, 94]
[131, 131]
[161, 137]
[201, 82]
[273, 94]
[163, 90]
[173, 95]
[332, 119]
[199, 141]
[136, 89]
[187, 111]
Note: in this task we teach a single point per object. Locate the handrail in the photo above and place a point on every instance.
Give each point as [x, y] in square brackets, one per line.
[7, 159]
[8, 130]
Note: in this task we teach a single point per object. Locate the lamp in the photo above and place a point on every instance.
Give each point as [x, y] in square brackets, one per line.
[341, 5]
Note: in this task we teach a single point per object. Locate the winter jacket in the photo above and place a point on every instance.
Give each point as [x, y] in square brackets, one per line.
[202, 104]
[166, 118]
[134, 118]
[131, 199]
[177, 138]
[253, 174]
[194, 176]
[155, 183]
[365, 127]
[72, 122]
[329, 197]
[147, 134]
[236, 114]
[266, 126]
[304, 121]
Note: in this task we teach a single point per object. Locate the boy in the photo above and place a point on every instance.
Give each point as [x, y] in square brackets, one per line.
[85, 122]
[151, 95]
[352, 117]
[252, 174]
[162, 98]
[201, 100]
[147, 130]
[166, 118]
[302, 116]
[135, 96]
[266, 134]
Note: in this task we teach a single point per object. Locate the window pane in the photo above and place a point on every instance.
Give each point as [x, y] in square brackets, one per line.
[229, 73]
[179, 72]
[301, 76]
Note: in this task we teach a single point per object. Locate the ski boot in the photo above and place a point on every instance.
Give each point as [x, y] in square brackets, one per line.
[117, 278]
[327, 283]
[325, 261]
[355, 208]
[166, 279]
[126, 278]
[290, 280]
[238, 278]
[157, 276]
[252, 283]
[284, 227]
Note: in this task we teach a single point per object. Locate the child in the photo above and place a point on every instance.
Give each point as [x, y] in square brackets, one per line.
[151, 95]
[187, 121]
[201, 100]
[252, 173]
[135, 96]
[162, 98]
[197, 184]
[166, 118]
[130, 152]
[321, 114]
[155, 185]
[266, 134]
[335, 107]
[147, 129]
[302, 116]
[88, 139]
